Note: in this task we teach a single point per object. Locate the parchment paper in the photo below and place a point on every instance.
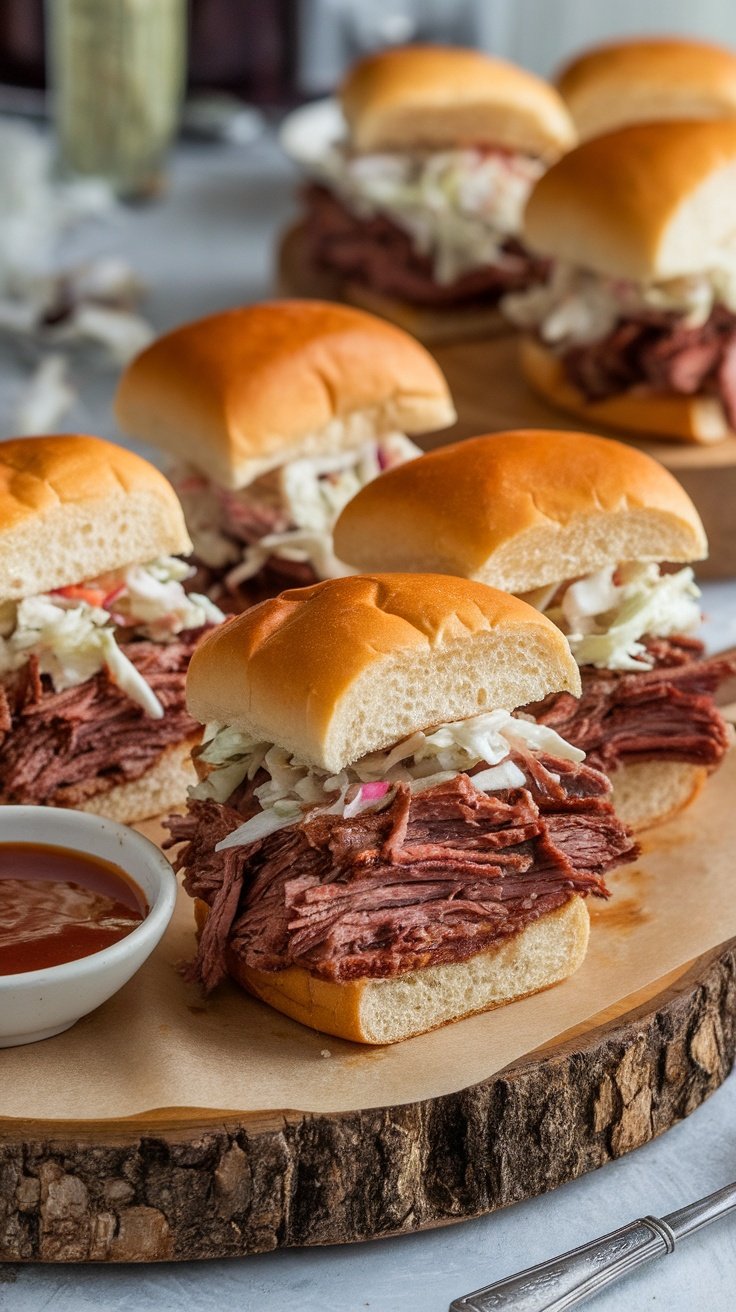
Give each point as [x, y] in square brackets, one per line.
[159, 1044]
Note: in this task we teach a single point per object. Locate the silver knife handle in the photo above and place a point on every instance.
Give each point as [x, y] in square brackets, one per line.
[567, 1280]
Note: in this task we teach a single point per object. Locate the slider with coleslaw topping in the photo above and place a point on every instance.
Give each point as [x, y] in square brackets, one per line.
[416, 214]
[379, 842]
[277, 414]
[96, 630]
[598, 536]
[636, 328]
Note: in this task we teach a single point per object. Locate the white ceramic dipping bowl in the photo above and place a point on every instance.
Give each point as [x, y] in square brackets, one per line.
[39, 1003]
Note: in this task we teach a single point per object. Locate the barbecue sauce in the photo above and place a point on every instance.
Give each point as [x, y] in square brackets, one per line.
[58, 905]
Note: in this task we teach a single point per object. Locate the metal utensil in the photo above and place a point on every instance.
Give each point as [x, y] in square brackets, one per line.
[573, 1277]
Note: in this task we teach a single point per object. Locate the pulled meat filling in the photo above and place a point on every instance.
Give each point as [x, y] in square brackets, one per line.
[379, 253]
[663, 352]
[60, 748]
[667, 713]
[433, 877]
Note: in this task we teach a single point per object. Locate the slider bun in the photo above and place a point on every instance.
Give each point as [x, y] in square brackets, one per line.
[387, 1010]
[72, 507]
[419, 97]
[697, 418]
[242, 392]
[519, 510]
[343, 668]
[638, 81]
[299, 275]
[653, 200]
[159, 790]
[647, 793]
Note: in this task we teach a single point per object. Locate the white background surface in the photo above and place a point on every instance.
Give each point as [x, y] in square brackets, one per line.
[208, 246]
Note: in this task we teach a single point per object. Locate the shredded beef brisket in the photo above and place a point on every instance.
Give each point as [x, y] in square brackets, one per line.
[434, 877]
[663, 714]
[376, 251]
[59, 748]
[661, 351]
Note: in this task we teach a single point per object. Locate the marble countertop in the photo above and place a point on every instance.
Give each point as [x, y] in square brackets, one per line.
[208, 245]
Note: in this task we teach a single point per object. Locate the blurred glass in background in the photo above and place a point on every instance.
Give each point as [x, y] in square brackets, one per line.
[117, 71]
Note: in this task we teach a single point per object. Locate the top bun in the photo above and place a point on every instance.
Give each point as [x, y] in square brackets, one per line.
[440, 96]
[73, 507]
[655, 200]
[352, 665]
[242, 392]
[639, 81]
[520, 510]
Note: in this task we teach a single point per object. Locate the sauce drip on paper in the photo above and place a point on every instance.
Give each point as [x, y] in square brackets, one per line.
[58, 905]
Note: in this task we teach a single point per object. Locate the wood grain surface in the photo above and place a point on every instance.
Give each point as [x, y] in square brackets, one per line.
[182, 1184]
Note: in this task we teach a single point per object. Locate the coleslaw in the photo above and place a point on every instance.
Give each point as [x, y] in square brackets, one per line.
[293, 790]
[73, 631]
[606, 614]
[289, 513]
[577, 306]
[459, 206]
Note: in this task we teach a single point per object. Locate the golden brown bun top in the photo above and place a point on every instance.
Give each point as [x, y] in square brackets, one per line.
[519, 510]
[241, 392]
[641, 80]
[352, 665]
[73, 507]
[654, 200]
[440, 96]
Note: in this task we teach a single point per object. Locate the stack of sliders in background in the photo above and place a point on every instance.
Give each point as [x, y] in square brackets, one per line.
[416, 212]
[378, 845]
[277, 414]
[96, 630]
[636, 327]
[640, 80]
[590, 532]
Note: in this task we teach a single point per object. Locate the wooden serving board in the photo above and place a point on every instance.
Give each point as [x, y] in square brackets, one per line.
[181, 1184]
[490, 395]
[232, 1130]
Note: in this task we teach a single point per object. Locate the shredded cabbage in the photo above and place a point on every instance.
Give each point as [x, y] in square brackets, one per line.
[577, 306]
[605, 614]
[306, 495]
[293, 788]
[459, 206]
[73, 631]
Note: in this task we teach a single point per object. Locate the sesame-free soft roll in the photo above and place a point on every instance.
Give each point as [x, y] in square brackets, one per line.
[379, 842]
[643, 79]
[599, 536]
[276, 414]
[96, 630]
[636, 327]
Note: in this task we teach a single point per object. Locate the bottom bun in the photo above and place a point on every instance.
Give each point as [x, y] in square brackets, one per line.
[160, 789]
[640, 410]
[649, 792]
[387, 1010]
[297, 275]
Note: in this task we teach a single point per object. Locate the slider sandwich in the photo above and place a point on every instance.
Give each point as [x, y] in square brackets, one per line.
[96, 630]
[597, 536]
[379, 843]
[277, 414]
[641, 80]
[637, 326]
[416, 213]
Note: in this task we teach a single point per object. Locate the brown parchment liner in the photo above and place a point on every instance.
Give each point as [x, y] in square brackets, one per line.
[159, 1043]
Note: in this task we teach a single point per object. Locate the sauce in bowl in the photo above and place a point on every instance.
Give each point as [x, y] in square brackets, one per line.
[58, 905]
